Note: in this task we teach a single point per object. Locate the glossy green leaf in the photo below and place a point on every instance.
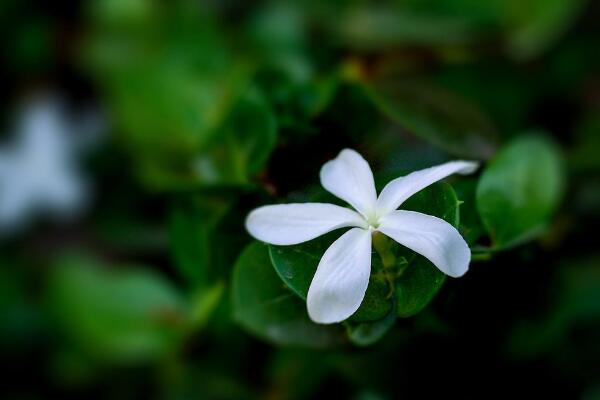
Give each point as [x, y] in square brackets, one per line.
[438, 200]
[417, 286]
[433, 114]
[116, 314]
[265, 307]
[520, 189]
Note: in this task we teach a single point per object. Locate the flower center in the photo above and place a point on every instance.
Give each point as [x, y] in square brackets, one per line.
[373, 221]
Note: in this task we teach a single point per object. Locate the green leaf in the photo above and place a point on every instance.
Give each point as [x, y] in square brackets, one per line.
[118, 315]
[206, 235]
[368, 333]
[417, 286]
[181, 98]
[296, 265]
[382, 27]
[520, 190]
[170, 82]
[190, 226]
[433, 114]
[471, 227]
[265, 307]
[203, 304]
[438, 200]
[242, 146]
[538, 24]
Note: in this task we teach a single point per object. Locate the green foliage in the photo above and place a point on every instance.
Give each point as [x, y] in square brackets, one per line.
[120, 315]
[520, 190]
[181, 98]
[241, 147]
[213, 108]
[525, 30]
[435, 115]
[576, 303]
[417, 286]
[369, 333]
[264, 306]
[205, 234]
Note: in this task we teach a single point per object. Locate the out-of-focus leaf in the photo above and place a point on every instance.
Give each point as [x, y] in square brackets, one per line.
[203, 303]
[433, 114]
[235, 153]
[119, 315]
[535, 25]
[241, 147]
[520, 189]
[505, 93]
[584, 156]
[527, 29]
[167, 92]
[181, 99]
[296, 103]
[191, 224]
[206, 234]
[576, 302]
[381, 27]
[279, 35]
[263, 305]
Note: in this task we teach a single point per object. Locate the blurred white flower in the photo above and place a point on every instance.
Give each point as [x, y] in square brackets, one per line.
[342, 276]
[39, 171]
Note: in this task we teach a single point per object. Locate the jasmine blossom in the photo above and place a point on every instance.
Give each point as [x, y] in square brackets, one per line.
[340, 282]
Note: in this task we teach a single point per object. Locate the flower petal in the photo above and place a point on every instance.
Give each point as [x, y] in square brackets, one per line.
[349, 177]
[400, 189]
[286, 224]
[432, 237]
[342, 277]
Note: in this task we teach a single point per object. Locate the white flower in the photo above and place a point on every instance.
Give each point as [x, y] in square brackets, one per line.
[38, 171]
[342, 277]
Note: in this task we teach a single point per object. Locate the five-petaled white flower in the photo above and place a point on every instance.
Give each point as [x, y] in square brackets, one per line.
[342, 276]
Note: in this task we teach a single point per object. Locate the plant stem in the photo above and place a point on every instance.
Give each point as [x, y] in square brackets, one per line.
[383, 246]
